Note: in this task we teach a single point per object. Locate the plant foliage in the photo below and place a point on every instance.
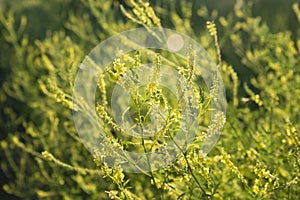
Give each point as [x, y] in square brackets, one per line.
[42, 157]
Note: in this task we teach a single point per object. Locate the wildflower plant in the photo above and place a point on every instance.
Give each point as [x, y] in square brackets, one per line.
[149, 101]
[153, 112]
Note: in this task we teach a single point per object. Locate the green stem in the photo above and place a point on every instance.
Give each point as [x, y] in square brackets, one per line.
[140, 123]
[189, 166]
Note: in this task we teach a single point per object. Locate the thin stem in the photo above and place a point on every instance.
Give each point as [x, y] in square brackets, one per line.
[140, 123]
[189, 166]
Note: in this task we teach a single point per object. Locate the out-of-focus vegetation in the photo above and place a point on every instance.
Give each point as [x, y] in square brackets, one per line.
[257, 156]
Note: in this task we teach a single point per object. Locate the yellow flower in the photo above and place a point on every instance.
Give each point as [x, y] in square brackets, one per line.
[211, 26]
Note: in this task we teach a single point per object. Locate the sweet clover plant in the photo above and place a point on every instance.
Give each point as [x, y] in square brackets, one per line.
[42, 155]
